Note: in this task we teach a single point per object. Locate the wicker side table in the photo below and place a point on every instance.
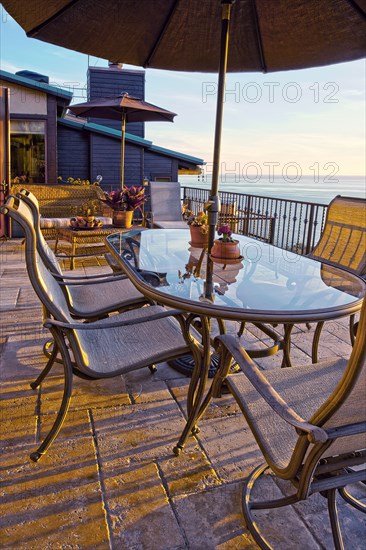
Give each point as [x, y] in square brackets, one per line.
[84, 241]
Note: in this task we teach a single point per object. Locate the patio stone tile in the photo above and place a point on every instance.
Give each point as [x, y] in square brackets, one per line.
[353, 527]
[55, 503]
[22, 324]
[137, 433]
[8, 298]
[230, 446]
[146, 432]
[143, 386]
[86, 394]
[139, 510]
[212, 519]
[218, 408]
[18, 418]
[76, 424]
[22, 360]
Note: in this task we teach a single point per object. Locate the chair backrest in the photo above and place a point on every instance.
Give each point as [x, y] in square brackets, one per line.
[43, 249]
[347, 404]
[343, 241]
[47, 288]
[165, 201]
[45, 285]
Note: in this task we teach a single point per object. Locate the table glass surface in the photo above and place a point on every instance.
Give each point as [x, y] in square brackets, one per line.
[268, 279]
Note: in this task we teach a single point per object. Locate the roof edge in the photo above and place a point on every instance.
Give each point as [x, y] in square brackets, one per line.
[117, 134]
[33, 84]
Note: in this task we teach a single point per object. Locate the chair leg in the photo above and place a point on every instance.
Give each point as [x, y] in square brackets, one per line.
[334, 521]
[352, 500]
[286, 361]
[48, 347]
[46, 370]
[61, 415]
[247, 506]
[316, 339]
[352, 328]
[241, 329]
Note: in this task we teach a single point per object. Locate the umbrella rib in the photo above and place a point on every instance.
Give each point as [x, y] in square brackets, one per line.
[33, 32]
[259, 36]
[161, 34]
[356, 6]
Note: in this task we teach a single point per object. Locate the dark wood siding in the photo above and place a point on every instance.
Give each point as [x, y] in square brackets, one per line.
[160, 166]
[73, 153]
[104, 82]
[106, 159]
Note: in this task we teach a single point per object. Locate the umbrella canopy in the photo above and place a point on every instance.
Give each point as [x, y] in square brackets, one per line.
[184, 35]
[193, 35]
[125, 108]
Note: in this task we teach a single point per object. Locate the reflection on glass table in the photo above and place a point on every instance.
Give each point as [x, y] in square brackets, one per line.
[269, 285]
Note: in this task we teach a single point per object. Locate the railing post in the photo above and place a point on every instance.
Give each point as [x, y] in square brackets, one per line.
[247, 216]
[310, 230]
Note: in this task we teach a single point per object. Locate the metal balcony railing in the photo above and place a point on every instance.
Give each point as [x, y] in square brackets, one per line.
[289, 224]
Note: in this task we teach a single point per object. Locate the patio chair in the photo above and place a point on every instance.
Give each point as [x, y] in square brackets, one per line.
[114, 292]
[105, 348]
[343, 243]
[165, 205]
[309, 422]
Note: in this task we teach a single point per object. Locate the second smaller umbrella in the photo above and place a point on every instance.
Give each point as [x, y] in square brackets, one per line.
[127, 109]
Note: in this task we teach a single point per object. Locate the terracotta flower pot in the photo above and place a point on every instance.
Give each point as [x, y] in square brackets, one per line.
[225, 250]
[122, 219]
[198, 239]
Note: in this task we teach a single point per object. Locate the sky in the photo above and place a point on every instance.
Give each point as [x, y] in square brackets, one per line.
[294, 122]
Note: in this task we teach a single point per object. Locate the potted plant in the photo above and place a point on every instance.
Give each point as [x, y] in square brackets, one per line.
[225, 248]
[124, 203]
[198, 228]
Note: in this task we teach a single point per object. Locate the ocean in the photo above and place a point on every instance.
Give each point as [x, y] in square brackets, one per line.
[307, 188]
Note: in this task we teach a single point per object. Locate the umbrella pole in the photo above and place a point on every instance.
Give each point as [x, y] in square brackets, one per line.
[213, 205]
[123, 132]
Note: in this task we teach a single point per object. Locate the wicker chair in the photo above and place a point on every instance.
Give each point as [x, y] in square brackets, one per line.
[102, 349]
[165, 205]
[86, 301]
[58, 203]
[343, 243]
[309, 422]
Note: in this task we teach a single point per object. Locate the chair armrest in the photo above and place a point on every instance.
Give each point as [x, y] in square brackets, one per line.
[264, 388]
[48, 323]
[91, 278]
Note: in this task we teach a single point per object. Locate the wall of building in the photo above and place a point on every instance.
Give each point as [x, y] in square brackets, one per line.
[73, 153]
[26, 101]
[107, 82]
[158, 166]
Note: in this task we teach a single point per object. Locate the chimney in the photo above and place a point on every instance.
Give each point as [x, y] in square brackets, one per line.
[114, 65]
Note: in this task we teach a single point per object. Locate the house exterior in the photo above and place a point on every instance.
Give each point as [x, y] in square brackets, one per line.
[46, 142]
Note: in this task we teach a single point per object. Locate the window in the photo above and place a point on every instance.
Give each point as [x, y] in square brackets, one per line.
[27, 150]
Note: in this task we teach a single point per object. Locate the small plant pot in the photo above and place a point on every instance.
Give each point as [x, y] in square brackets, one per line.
[222, 250]
[198, 239]
[122, 219]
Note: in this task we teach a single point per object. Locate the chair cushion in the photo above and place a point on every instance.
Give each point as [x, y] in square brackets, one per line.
[304, 388]
[171, 225]
[112, 296]
[108, 352]
[49, 223]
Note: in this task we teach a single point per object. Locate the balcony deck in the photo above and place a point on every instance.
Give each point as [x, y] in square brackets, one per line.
[110, 479]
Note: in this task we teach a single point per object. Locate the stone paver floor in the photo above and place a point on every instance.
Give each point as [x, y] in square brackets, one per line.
[110, 480]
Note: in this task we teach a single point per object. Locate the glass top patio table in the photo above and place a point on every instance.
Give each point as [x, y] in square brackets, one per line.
[268, 284]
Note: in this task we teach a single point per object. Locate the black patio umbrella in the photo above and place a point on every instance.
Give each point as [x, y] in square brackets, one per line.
[193, 35]
[125, 108]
